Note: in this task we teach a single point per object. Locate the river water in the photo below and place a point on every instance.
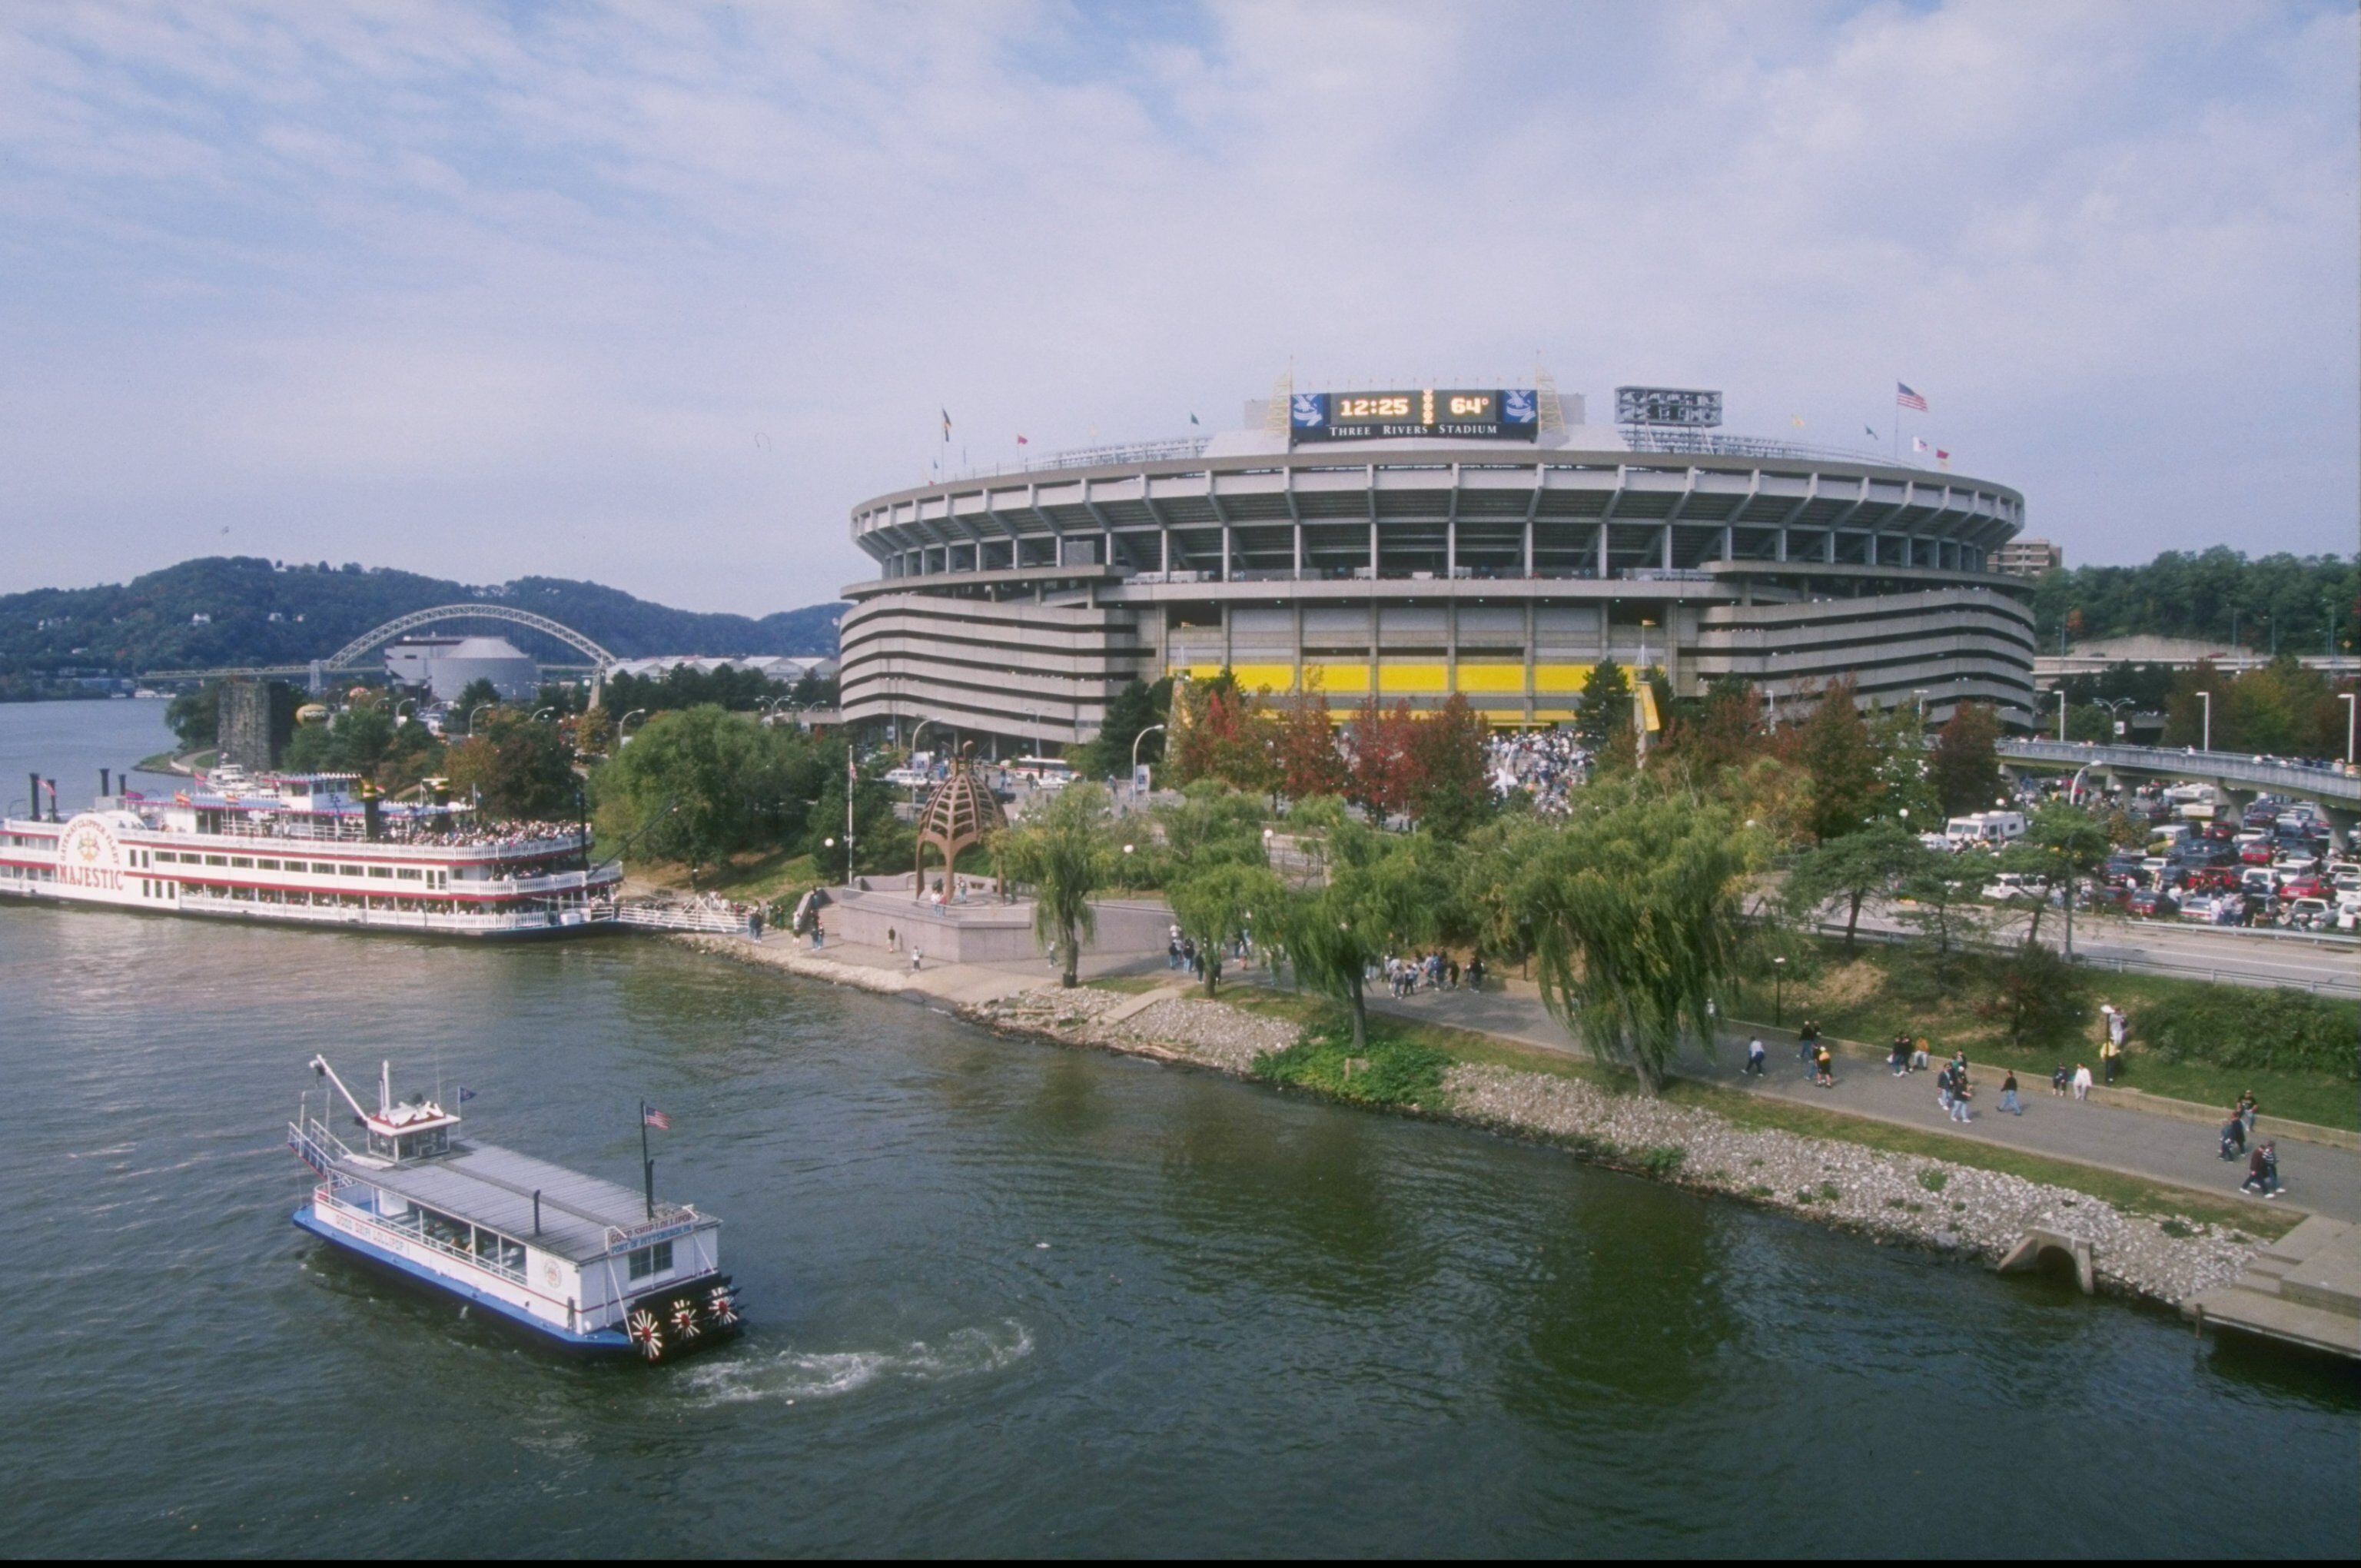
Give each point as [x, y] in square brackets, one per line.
[1003, 1298]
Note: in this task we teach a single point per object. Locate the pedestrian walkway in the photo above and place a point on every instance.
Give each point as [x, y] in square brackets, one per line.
[2319, 1179]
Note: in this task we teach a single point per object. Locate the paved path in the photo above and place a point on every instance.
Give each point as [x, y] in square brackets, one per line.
[2319, 1179]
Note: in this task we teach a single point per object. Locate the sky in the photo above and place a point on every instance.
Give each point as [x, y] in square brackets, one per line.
[654, 293]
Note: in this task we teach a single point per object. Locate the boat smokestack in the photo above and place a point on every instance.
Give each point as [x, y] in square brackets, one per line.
[105, 783]
[33, 795]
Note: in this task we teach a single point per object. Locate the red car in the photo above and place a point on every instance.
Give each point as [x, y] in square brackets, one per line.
[2149, 901]
[2303, 887]
[2256, 855]
[2213, 879]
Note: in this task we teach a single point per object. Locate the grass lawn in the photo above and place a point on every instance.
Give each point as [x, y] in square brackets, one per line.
[747, 878]
[2131, 1193]
[1871, 995]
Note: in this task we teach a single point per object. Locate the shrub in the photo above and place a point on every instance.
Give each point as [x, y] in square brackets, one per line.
[1932, 1179]
[1387, 1071]
[1662, 1161]
[2236, 1027]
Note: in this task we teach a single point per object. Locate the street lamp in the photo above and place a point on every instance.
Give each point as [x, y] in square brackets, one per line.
[1127, 867]
[1779, 993]
[2205, 741]
[624, 723]
[2350, 707]
[475, 710]
[1152, 730]
[2061, 713]
[539, 711]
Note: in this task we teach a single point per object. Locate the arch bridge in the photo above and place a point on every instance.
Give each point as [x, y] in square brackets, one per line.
[353, 654]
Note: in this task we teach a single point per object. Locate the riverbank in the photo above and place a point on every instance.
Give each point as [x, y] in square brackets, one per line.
[1893, 1197]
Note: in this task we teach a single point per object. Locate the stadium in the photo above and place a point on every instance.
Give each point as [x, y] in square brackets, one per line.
[1418, 543]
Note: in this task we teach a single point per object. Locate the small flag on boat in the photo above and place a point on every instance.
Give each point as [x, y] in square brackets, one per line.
[656, 1118]
[465, 1094]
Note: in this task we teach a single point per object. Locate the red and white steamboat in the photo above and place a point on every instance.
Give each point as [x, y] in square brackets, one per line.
[313, 850]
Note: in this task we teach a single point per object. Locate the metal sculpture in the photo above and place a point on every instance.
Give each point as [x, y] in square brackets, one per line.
[961, 811]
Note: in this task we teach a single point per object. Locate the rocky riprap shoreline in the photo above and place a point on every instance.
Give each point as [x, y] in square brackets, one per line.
[1959, 1208]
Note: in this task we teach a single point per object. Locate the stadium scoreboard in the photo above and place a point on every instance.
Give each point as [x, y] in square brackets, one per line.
[1675, 406]
[1463, 413]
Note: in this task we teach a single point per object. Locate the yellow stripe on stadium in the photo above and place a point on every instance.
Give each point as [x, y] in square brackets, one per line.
[1413, 678]
[1492, 677]
[1560, 677]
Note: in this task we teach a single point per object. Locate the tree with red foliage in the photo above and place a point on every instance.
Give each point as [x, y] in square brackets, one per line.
[1381, 779]
[1309, 761]
[1449, 791]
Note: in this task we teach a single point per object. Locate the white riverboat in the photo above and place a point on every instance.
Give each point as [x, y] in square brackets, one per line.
[315, 850]
[585, 1264]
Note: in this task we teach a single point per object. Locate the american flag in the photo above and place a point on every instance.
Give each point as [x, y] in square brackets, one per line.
[656, 1118]
[1908, 398]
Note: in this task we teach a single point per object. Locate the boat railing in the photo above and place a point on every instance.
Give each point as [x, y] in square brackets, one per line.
[319, 1148]
[670, 1219]
[416, 1235]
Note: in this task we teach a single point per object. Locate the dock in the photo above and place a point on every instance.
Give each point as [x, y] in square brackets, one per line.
[2304, 1289]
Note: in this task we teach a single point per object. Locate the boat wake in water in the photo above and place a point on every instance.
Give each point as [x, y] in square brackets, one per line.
[819, 1375]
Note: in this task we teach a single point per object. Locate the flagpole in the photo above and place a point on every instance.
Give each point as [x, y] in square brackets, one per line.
[647, 1161]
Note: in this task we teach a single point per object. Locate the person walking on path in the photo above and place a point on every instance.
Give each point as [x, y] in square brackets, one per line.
[1943, 1089]
[1824, 1067]
[2263, 1171]
[2008, 1099]
[2246, 1109]
[1919, 1054]
[2233, 1136]
[2082, 1081]
[1755, 1055]
[917, 960]
[819, 937]
[1962, 1091]
[1806, 1040]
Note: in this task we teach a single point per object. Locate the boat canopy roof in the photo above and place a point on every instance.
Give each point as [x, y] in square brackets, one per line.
[494, 1186]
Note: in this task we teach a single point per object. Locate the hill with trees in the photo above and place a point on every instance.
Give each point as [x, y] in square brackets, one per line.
[2277, 603]
[234, 610]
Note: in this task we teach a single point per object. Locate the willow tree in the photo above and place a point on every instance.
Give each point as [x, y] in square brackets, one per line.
[1381, 891]
[1063, 850]
[1633, 911]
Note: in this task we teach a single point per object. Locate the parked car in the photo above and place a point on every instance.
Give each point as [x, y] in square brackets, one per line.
[2308, 914]
[2257, 853]
[2303, 887]
[2152, 904]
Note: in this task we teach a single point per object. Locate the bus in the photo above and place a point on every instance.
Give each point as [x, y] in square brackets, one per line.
[1046, 772]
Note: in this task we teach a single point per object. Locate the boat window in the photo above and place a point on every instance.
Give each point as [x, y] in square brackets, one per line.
[451, 1232]
[652, 1260]
[350, 871]
[409, 873]
[217, 859]
[381, 871]
[266, 865]
[380, 1145]
[418, 1146]
[322, 868]
[499, 1252]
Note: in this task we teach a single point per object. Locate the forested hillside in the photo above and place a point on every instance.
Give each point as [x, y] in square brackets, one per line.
[2283, 601]
[230, 610]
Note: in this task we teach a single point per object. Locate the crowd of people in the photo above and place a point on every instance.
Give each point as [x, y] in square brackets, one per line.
[1434, 972]
[1546, 764]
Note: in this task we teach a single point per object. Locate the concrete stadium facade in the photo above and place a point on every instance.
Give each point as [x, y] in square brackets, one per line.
[1015, 605]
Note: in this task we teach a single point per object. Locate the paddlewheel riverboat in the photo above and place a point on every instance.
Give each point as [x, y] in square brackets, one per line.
[587, 1265]
[312, 849]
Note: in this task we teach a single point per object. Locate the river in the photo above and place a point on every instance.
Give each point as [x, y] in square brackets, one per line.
[1003, 1298]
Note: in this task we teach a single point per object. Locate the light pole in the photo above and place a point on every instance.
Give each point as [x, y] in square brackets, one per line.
[2205, 736]
[2350, 707]
[1154, 728]
[624, 723]
[2061, 713]
[475, 710]
[538, 712]
[1126, 868]
[1779, 993]
[2114, 706]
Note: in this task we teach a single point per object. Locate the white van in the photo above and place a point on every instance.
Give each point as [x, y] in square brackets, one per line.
[1986, 827]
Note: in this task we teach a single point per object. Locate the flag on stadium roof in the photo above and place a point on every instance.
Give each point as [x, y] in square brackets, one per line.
[1908, 398]
[947, 424]
[1918, 443]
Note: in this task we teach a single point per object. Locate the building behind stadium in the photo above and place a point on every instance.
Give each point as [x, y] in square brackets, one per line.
[1426, 542]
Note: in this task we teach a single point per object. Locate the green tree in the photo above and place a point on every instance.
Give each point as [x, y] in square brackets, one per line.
[1965, 765]
[1833, 746]
[1064, 853]
[1135, 708]
[476, 694]
[1383, 892]
[700, 785]
[1906, 788]
[882, 842]
[1870, 863]
[2038, 998]
[1942, 898]
[1218, 904]
[517, 769]
[1634, 908]
[2062, 845]
[1603, 717]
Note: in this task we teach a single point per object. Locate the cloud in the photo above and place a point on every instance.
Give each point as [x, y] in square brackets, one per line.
[654, 293]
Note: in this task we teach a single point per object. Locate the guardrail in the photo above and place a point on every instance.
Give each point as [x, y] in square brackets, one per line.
[2325, 782]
